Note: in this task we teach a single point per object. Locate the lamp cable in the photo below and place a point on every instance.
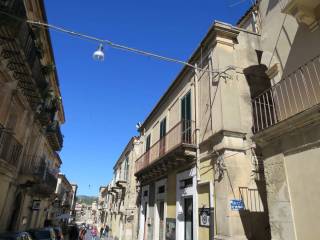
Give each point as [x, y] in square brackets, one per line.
[113, 44]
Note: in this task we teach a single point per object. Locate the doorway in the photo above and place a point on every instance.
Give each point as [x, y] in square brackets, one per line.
[143, 218]
[160, 211]
[186, 209]
[188, 218]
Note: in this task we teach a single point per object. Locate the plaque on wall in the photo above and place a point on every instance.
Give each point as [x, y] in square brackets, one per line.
[204, 217]
[170, 228]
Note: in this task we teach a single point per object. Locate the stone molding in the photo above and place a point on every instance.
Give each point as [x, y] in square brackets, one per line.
[304, 12]
[225, 34]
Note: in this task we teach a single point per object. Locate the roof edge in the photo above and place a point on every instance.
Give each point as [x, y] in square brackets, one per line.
[210, 34]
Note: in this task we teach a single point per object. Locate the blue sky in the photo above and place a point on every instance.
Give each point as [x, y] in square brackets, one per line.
[103, 101]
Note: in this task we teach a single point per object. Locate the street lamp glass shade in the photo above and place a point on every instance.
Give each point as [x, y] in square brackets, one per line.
[98, 54]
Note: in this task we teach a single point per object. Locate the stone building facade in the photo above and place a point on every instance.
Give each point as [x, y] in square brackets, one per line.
[231, 150]
[228, 139]
[286, 114]
[64, 196]
[198, 158]
[118, 198]
[31, 112]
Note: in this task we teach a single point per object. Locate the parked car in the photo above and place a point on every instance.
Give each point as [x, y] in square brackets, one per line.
[15, 236]
[58, 232]
[43, 234]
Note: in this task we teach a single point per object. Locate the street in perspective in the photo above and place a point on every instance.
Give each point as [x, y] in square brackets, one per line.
[160, 120]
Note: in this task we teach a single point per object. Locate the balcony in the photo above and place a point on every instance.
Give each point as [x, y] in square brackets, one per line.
[44, 179]
[20, 53]
[292, 99]
[122, 179]
[54, 136]
[305, 11]
[10, 148]
[176, 148]
[66, 201]
[47, 110]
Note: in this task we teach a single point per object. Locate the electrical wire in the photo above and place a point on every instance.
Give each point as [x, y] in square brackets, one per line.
[113, 44]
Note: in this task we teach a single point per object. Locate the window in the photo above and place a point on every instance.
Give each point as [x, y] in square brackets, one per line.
[148, 142]
[185, 183]
[161, 189]
[163, 127]
[186, 107]
[126, 167]
[163, 130]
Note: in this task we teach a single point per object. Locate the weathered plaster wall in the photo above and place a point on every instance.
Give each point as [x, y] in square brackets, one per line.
[280, 215]
[291, 163]
[303, 182]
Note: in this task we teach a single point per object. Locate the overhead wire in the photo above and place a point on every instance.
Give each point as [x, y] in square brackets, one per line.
[112, 44]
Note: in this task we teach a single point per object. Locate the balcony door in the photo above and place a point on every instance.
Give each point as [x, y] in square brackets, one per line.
[126, 168]
[186, 118]
[163, 129]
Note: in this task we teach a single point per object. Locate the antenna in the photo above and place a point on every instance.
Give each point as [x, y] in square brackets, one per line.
[237, 3]
[138, 125]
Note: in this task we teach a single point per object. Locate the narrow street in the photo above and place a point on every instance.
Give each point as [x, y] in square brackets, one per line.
[159, 120]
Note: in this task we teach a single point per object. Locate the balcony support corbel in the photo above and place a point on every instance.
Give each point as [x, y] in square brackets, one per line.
[306, 12]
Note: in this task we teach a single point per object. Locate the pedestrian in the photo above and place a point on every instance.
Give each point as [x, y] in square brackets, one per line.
[101, 231]
[106, 231]
[82, 233]
[94, 233]
[73, 232]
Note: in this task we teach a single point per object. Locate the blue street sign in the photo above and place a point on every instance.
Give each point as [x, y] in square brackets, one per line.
[236, 205]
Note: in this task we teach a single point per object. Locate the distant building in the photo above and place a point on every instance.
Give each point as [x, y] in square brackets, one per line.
[73, 202]
[63, 200]
[118, 198]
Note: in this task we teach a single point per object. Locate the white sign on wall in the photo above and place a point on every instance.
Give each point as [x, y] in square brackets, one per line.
[204, 217]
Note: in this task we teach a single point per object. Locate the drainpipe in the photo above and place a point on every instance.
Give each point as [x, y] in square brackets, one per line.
[197, 135]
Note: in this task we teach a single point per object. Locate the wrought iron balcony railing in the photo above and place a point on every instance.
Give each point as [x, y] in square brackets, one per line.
[10, 148]
[36, 167]
[33, 165]
[54, 136]
[294, 94]
[181, 133]
[20, 51]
